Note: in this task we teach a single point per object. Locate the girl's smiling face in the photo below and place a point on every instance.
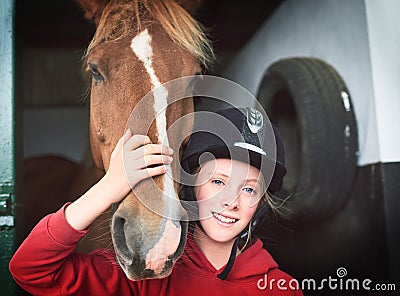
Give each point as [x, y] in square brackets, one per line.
[228, 192]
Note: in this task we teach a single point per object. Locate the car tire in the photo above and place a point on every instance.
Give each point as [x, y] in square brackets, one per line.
[309, 102]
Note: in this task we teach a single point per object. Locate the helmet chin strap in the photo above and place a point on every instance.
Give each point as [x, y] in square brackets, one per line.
[224, 274]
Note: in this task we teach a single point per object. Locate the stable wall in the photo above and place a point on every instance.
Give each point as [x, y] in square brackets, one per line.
[384, 40]
[360, 39]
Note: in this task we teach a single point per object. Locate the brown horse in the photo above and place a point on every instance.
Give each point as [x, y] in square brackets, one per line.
[138, 46]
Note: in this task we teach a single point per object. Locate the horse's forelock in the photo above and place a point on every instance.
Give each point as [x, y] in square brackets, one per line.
[121, 18]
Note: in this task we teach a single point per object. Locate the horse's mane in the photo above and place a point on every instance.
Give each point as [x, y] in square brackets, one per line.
[119, 15]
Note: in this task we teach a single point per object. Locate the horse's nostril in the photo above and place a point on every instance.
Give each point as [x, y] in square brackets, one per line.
[120, 245]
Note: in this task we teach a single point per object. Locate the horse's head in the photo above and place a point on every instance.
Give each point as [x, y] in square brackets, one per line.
[139, 45]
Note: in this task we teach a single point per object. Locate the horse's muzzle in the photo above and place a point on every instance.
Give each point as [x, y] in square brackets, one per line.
[144, 251]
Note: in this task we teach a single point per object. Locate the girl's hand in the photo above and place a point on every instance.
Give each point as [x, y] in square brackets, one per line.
[130, 161]
[128, 166]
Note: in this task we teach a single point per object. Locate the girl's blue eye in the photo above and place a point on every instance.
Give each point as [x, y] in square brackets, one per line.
[249, 190]
[218, 182]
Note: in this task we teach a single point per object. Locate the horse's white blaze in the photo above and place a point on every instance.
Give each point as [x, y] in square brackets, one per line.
[167, 245]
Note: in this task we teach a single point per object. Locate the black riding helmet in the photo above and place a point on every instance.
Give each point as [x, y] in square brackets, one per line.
[242, 134]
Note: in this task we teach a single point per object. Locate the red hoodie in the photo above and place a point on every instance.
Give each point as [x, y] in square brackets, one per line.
[46, 264]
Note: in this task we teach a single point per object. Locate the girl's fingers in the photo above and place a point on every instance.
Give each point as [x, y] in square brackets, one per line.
[157, 149]
[155, 171]
[142, 159]
[146, 161]
[154, 149]
[140, 175]
[127, 135]
[151, 172]
[118, 147]
[135, 141]
[150, 160]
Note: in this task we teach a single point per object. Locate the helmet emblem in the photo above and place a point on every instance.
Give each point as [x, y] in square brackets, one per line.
[254, 120]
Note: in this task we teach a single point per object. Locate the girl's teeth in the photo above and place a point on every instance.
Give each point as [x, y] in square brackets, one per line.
[224, 219]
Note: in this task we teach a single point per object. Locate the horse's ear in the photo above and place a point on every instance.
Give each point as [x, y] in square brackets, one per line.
[93, 9]
[189, 5]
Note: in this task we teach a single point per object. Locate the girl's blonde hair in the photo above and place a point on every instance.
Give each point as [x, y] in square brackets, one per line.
[276, 208]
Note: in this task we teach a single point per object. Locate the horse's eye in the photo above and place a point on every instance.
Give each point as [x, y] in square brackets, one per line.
[95, 73]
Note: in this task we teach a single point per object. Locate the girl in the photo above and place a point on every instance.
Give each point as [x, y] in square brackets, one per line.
[220, 257]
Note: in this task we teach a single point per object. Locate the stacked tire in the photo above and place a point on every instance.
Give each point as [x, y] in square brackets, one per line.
[311, 105]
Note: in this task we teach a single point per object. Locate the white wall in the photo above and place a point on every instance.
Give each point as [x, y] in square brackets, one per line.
[337, 32]
[384, 38]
